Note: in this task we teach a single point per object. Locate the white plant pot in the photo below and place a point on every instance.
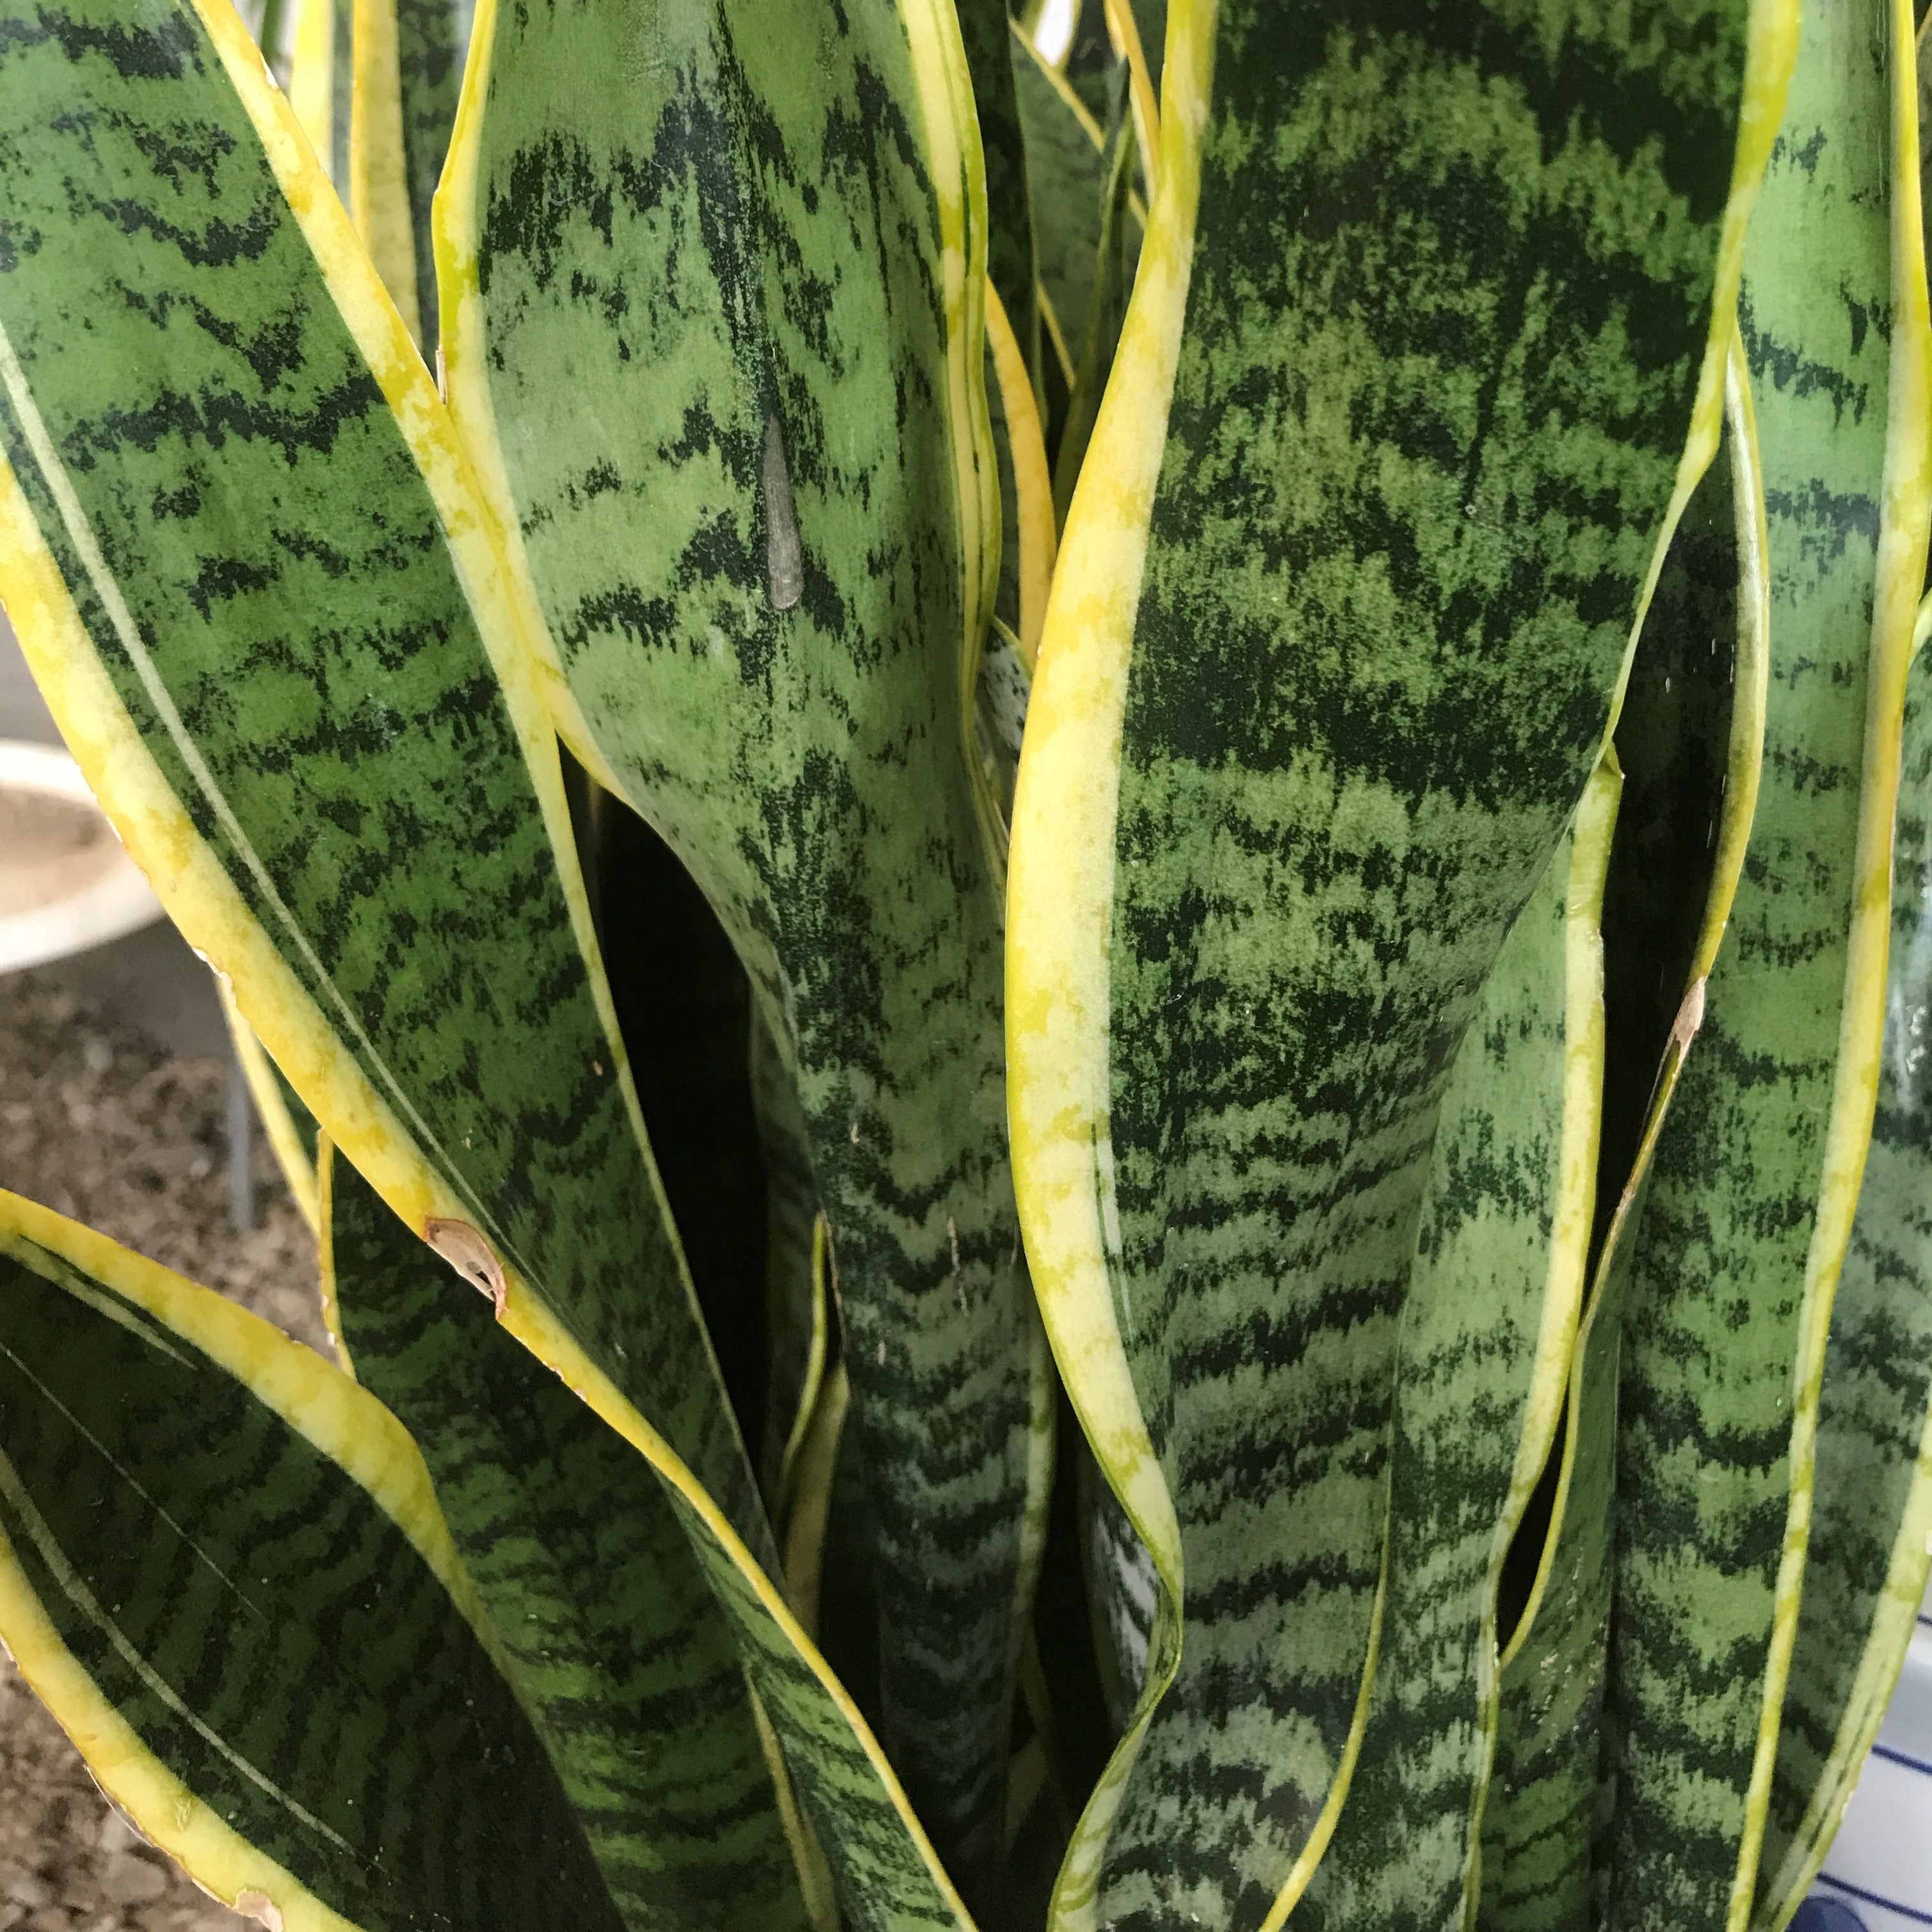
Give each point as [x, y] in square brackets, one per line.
[65, 884]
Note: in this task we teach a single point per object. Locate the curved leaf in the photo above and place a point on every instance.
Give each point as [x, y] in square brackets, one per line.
[1865, 1573]
[243, 572]
[700, 297]
[609, 1630]
[1066, 178]
[1757, 1173]
[222, 1567]
[1690, 739]
[1488, 1332]
[368, 831]
[1344, 603]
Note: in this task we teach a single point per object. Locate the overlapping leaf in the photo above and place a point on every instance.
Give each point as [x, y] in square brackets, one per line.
[1865, 1573]
[1488, 1331]
[266, 604]
[1757, 1171]
[1689, 740]
[609, 1632]
[1066, 179]
[689, 294]
[1343, 604]
[243, 579]
[222, 1567]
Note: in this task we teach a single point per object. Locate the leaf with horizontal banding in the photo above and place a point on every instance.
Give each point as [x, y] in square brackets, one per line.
[222, 1568]
[257, 589]
[754, 239]
[1865, 1573]
[1363, 538]
[797, 1318]
[1757, 1173]
[431, 44]
[367, 832]
[1540, 1809]
[1689, 740]
[1488, 1332]
[610, 1632]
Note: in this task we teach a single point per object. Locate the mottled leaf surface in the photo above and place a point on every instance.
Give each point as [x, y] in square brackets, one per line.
[265, 1627]
[1865, 1573]
[1487, 1334]
[431, 43]
[1410, 493]
[267, 585]
[1723, 1255]
[728, 276]
[621, 1656]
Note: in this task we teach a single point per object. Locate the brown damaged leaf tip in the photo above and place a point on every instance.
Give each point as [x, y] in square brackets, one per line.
[472, 1257]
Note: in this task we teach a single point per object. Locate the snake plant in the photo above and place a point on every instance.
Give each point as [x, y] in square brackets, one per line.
[1082, 866]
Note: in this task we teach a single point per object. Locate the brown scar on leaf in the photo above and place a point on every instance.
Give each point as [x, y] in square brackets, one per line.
[260, 1907]
[1689, 1018]
[472, 1257]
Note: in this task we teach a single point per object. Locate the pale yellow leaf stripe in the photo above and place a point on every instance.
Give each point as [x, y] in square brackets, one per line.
[1033, 481]
[1124, 35]
[1060, 901]
[298, 1170]
[1061, 896]
[379, 192]
[197, 891]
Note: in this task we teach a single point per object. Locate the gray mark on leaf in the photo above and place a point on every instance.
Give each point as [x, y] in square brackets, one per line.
[784, 562]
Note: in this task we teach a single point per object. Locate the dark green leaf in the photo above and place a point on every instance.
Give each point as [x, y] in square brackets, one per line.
[1749, 1209]
[729, 295]
[220, 1563]
[621, 1658]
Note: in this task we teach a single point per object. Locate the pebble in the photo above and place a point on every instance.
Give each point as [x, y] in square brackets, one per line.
[117, 1834]
[51, 1920]
[30, 1889]
[127, 1878]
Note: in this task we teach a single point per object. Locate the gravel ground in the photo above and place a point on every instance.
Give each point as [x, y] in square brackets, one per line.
[98, 1123]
